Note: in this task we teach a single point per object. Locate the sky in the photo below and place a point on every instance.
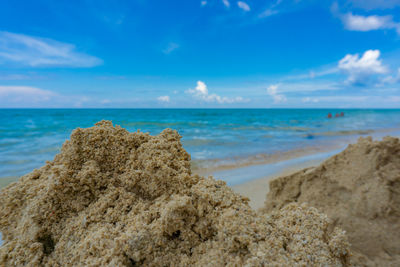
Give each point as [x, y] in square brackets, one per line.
[200, 54]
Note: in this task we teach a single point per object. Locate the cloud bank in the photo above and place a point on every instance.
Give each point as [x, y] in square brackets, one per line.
[164, 98]
[272, 90]
[33, 51]
[201, 92]
[226, 3]
[23, 94]
[360, 68]
[369, 23]
[243, 5]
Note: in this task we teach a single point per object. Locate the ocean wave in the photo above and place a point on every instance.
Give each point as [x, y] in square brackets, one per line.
[46, 150]
[9, 142]
[207, 166]
[268, 128]
[207, 142]
[340, 133]
[161, 124]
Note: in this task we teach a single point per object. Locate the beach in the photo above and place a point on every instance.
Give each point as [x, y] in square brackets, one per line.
[252, 180]
[256, 190]
[243, 150]
[138, 197]
[246, 148]
[116, 198]
[250, 176]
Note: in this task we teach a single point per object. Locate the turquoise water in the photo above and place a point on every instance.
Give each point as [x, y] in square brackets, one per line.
[29, 137]
[253, 172]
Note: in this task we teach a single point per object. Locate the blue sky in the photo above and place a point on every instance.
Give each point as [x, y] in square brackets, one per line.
[195, 54]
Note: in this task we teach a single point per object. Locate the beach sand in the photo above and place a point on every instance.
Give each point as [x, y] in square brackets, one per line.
[359, 190]
[256, 190]
[135, 198]
[114, 198]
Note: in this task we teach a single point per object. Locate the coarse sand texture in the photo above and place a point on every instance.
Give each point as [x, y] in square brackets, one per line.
[114, 198]
[359, 189]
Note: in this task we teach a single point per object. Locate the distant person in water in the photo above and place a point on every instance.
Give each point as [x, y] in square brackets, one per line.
[337, 115]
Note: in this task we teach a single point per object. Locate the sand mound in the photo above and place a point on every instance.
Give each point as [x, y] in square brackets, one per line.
[113, 198]
[359, 189]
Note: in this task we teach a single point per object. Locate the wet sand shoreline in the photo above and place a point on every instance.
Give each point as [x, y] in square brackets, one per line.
[256, 190]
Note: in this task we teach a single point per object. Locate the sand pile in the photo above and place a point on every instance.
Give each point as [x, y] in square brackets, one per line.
[114, 198]
[359, 189]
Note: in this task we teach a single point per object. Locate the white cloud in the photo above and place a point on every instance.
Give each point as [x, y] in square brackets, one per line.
[24, 94]
[270, 11]
[359, 101]
[201, 88]
[369, 62]
[344, 98]
[243, 5]
[226, 3]
[203, 3]
[311, 74]
[171, 47]
[369, 23]
[105, 101]
[36, 52]
[310, 100]
[394, 99]
[201, 92]
[397, 78]
[390, 79]
[163, 98]
[272, 90]
[359, 68]
[81, 101]
[313, 86]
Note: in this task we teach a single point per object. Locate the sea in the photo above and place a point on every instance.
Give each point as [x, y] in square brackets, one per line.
[30, 137]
